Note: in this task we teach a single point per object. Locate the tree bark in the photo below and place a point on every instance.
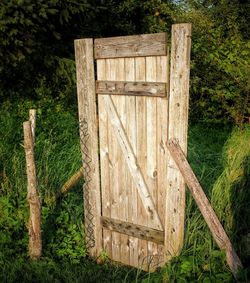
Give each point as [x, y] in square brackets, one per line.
[35, 240]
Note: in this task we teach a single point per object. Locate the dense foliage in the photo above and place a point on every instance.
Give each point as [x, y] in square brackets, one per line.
[37, 46]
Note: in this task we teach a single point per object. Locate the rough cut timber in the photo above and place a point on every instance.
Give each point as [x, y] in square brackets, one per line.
[131, 88]
[131, 46]
[178, 124]
[205, 207]
[134, 230]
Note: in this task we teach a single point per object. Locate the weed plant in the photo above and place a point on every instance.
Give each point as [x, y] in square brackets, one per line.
[64, 254]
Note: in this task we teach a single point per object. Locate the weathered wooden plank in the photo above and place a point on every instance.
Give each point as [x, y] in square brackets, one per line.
[178, 122]
[104, 158]
[131, 133]
[132, 164]
[122, 167]
[204, 205]
[114, 152]
[141, 154]
[89, 142]
[131, 88]
[162, 72]
[151, 175]
[131, 46]
[135, 230]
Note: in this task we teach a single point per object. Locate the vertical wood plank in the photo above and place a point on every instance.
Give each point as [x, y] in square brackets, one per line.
[88, 119]
[141, 121]
[178, 122]
[162, 71]
[151, 175]
[131, 132]
[104, 158]
[111, 72]
[122, 166]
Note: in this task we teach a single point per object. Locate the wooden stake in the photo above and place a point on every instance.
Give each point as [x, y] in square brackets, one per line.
[35, 240]
[205, 207]
[32, 119]
[71, 182]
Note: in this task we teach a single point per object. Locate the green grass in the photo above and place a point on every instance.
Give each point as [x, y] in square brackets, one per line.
[64, 253]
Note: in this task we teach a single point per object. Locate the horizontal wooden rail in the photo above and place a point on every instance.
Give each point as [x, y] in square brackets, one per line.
[205, 207]
[131, 46]
[131, 88]
[135, 230]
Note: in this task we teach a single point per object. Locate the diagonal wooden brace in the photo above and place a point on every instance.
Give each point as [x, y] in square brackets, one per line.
[205, 207]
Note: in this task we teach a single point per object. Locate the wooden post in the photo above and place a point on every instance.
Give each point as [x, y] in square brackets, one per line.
[178, 124]
[32, 119]
[35, 241]
[89, 142]
[205, 207]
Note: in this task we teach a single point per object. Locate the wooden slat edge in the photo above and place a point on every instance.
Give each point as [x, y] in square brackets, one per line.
[131, 46]
[131, 88]
[135, 230]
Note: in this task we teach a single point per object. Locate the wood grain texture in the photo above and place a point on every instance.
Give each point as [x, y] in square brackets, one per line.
[131, 88]
[35, 236]
[131, 161]
[205, 207]
[135, 230]
[87, 116]
[178, 123]
[104, 158]
[131, 131]
[151, 105]
[122, 166]
[137, 134]
[162, 74]
[114, 154]
[141, 136]
[131, 46]
[32, 119]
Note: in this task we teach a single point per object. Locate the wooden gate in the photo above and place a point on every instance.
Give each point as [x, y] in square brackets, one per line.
[134, 194]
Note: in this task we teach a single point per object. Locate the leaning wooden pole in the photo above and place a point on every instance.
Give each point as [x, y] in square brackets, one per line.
[71, 182]
[35, 241]
[205, 207]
